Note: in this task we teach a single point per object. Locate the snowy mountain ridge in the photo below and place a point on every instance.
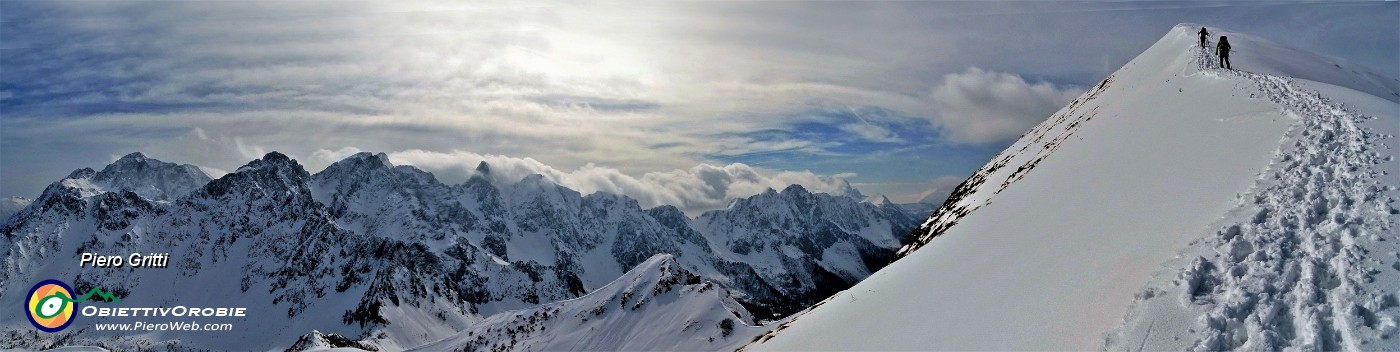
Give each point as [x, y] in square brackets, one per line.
[1175, 205]
[659, 305]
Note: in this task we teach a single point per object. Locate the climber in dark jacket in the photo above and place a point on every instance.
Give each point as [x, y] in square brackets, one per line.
[1223, 49]
[1204, 35]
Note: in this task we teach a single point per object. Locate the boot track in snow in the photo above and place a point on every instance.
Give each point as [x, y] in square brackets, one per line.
[1292, 268]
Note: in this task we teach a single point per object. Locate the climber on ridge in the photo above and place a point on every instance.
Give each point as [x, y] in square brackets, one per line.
[1204, 35]
[1223, 49]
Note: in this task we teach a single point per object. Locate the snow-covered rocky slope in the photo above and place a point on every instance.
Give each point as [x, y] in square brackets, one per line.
[385, 254]
[1213, 209]
[659, 305]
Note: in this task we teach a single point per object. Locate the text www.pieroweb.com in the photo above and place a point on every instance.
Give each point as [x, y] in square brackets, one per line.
[164, 326]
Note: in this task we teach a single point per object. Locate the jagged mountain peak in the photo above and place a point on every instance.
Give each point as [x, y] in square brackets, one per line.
[137, 161]
[885, 201]
[362, 163]
[381, 158]
[366, 167]
[483, 168]
[134, 156]
[537, 185]
[275, 162]
[795, 189]
[850, 191]
[274, 174]
[319, 341]
[272, 159]
[667, 212]
[608, 198]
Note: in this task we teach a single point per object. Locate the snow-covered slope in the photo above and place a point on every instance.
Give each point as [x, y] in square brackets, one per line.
[1277, 198]
[659, 305]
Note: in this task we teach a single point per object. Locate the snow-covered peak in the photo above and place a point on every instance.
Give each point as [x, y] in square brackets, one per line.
[885, 201]
[367, 158]
[659, 274]
[133, 157]
[318, 341]
[274, 175]
[271, 160]
[370, 167]
[612, 202]
[359, 166]
[537, 188]
[795, 190]
[667, 213]
[878, 200]
[149, 178]
[850, 191]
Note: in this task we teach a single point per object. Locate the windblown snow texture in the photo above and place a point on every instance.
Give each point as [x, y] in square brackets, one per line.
[384, 255]
[1272, 188]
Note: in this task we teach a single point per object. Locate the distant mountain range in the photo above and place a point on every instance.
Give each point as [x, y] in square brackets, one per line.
[388, 256]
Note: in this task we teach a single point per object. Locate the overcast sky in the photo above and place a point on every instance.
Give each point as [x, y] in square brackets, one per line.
[685, 103]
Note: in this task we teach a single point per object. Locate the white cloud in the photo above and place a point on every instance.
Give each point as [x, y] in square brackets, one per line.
[978, 106]
[693, 190]
[248, 150]
[872, 133]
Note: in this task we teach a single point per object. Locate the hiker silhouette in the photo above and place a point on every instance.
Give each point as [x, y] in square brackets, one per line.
[1223, 49]
[1204, 35]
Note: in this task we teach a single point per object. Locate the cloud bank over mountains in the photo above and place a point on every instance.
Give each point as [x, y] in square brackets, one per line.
[693, 190]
